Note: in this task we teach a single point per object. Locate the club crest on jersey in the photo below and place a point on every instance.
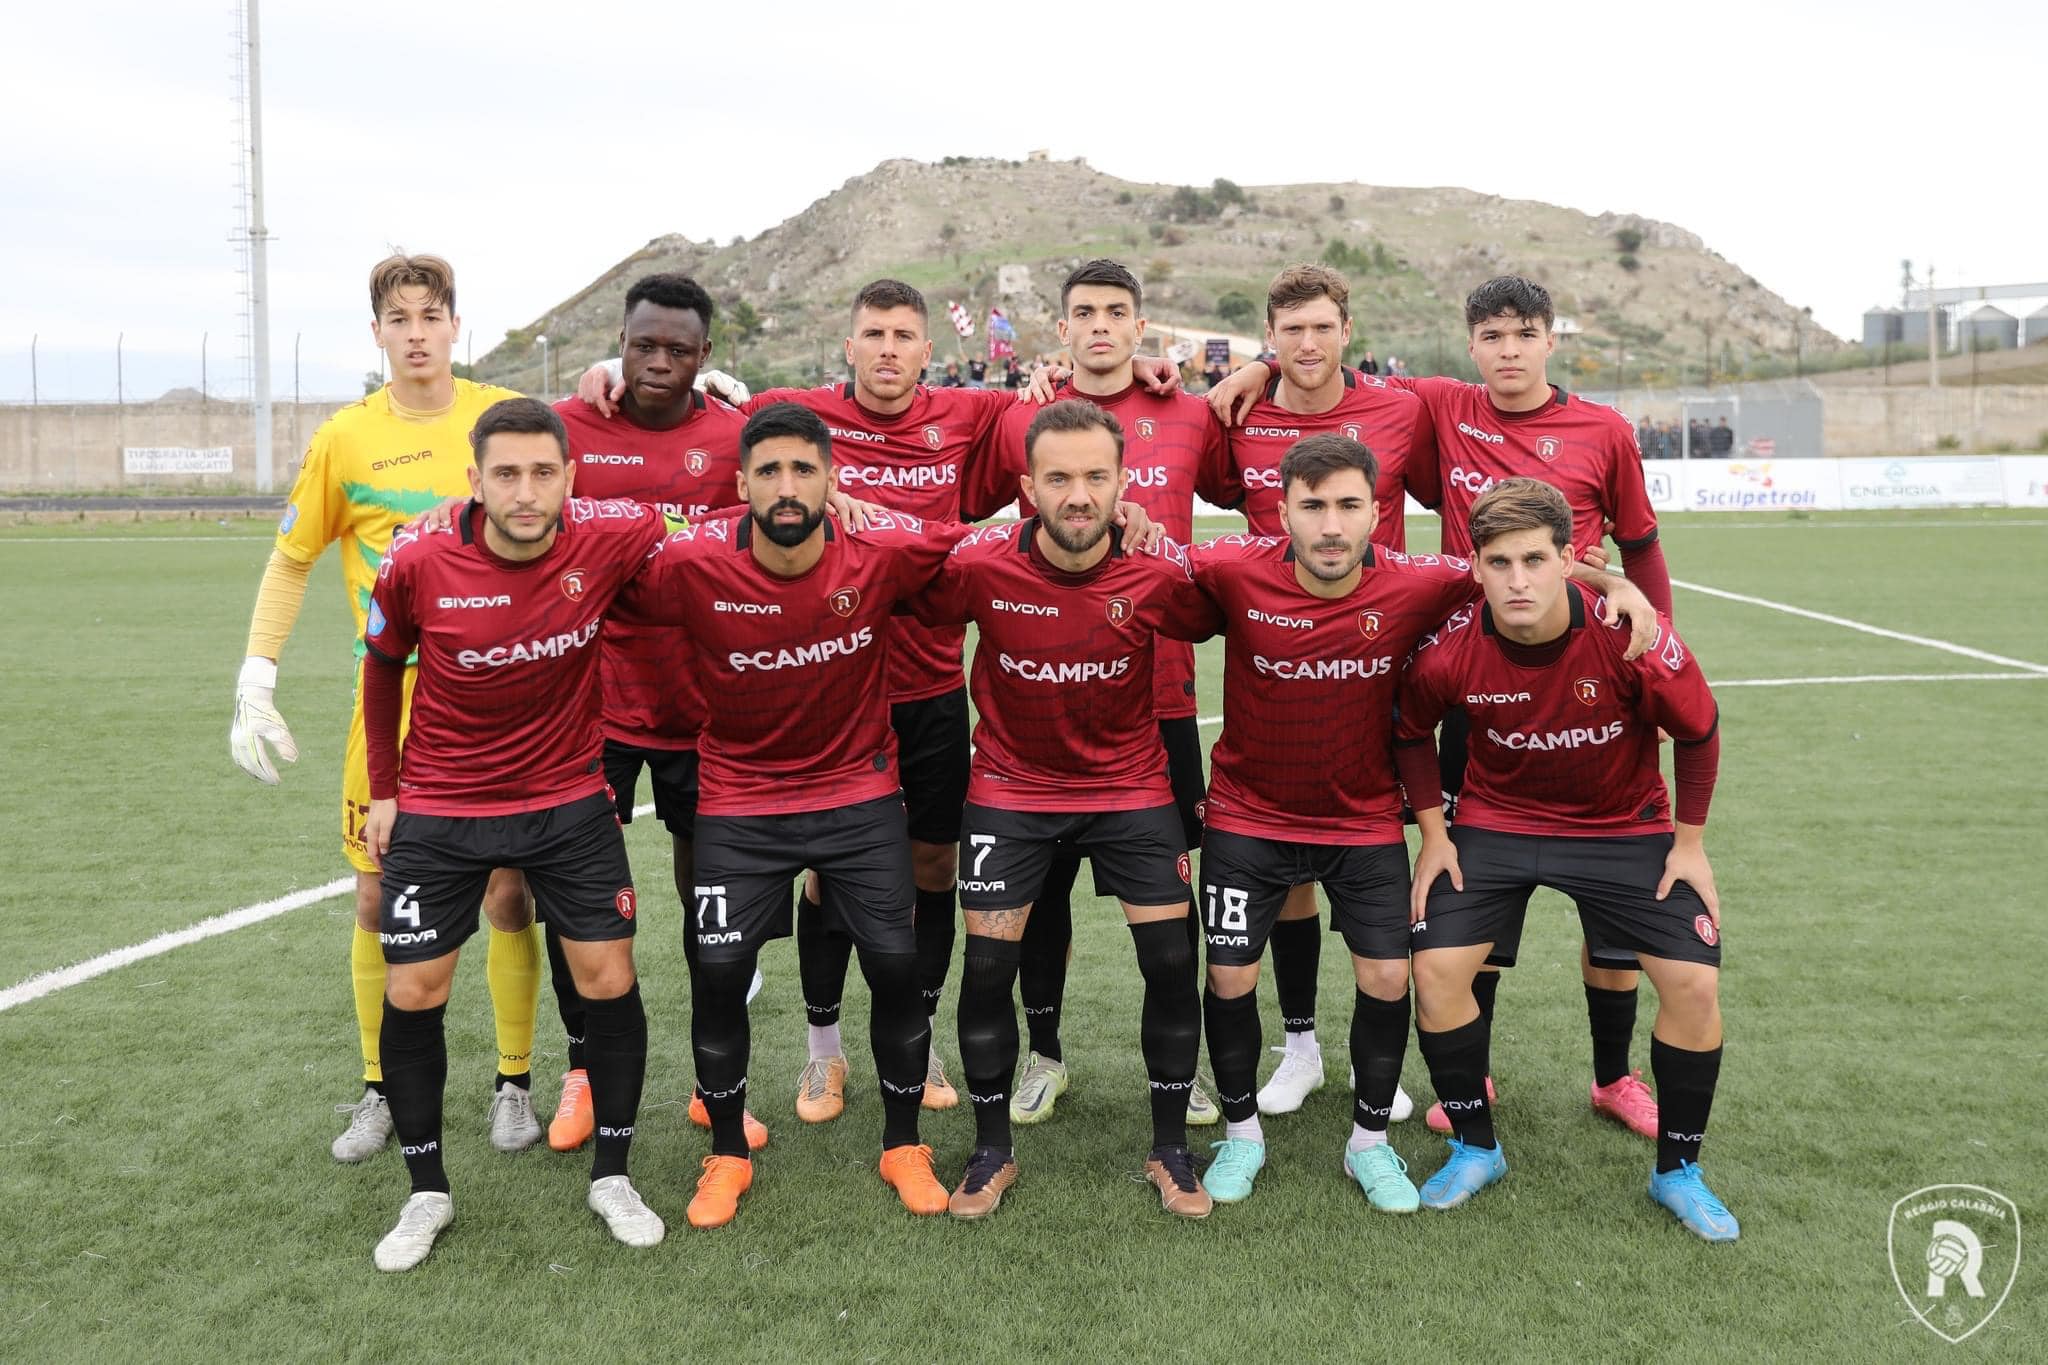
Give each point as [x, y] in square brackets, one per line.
[696, 461]
[627, 905]
[933, 437]
[1351, 431]
[1118, 610]
[1547, 449]
[1369, 624]
[1145, 428]
[1587, 690]
[572, 585]
[1704, 926]
[1202, 812]
[1185, 869]
[845, 602]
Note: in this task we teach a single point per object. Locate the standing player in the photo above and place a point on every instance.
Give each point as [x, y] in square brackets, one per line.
[502, 609]
[1563, 790]
[1517, 423]
[370, 468]
[1067, 751]
[787, 612]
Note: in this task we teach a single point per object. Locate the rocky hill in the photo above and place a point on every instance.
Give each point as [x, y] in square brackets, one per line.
[1644, 295]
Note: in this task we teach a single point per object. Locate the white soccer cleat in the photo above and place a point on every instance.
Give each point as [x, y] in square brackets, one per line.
[616, 1201]
[1298, 1076]
[419, 1223]
[513, 1125]
[369, 1128]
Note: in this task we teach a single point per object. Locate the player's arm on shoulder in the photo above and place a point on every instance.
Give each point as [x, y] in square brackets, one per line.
[1155, 374]
[658, 591]
[1232, 400]
[934, 589]
[1624, 601]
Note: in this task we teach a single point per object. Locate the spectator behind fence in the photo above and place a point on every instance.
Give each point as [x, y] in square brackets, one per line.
[977, 373]
[1368, 365]
[1721, 440]
[952, 379]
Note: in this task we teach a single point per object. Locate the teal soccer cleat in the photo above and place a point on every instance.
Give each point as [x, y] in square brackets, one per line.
[1383, 1176]
[1236, 1164]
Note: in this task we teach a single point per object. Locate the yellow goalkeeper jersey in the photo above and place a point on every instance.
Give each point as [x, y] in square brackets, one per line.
[371, 468]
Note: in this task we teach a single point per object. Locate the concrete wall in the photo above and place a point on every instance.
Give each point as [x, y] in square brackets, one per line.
[1903, 420]
[58, 447]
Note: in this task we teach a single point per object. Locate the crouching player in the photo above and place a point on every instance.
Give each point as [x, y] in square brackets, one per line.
[1562, 790]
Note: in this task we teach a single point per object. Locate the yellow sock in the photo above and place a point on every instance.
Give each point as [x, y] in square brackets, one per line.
[513, 969]
[366, 974]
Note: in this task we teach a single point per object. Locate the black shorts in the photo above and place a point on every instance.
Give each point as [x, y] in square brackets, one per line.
[1245, 881]
[1182, 737]
[746, 863]
[1613, 882]
[671, 772]
[932, 754]
[1136, 854]
[573, 855]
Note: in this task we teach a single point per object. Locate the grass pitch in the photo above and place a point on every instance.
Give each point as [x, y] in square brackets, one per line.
[166, 1193]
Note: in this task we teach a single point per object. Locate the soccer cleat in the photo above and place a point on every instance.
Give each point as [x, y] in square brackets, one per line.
[574, 1119]
[821, 1090]
[369, 1128]
[1298, 1076]
[412, 1237]
[1172, 1171]
[1468, 1171]
[616, 1201]
[1628, 1102]
[990, 1173]
[1043, 1082]
[908, 1170]
[1236, 1164]
[757, 1131]
[725, 1179]
[513, 1126]
[1383, 1176]
[1684, 1192]
[1404, 1104]
[1437, 1120]
[1202, 1111]
[938, 1091]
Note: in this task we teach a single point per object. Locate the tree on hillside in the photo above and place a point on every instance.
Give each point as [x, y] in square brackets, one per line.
[1226, 191]
[1236, 308]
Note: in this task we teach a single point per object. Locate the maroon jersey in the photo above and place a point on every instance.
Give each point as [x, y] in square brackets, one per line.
[910, 462]
[1306, 753]
[1391, 423]
[1586, 450]
[792, 668]
[1167, 440]
[1062, 680]
[505, 711]
[651, 697]
[1564, 735]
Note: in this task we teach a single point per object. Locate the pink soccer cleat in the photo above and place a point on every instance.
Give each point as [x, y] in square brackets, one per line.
[1628, 1102]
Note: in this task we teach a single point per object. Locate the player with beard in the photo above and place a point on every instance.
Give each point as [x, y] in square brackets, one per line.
[787, 613]
[1517, 423]
[1067, 751]
[1563, 790]
[502, 608]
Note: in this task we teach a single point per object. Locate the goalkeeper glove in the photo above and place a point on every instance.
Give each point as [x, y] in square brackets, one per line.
[258, 724]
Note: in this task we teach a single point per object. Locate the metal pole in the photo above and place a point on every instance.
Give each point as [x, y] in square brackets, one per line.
[1933, 337]
[118, 339]
[202, 369]
[32, 386]
[259, 262]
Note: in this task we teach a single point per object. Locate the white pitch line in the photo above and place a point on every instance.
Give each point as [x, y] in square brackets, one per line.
[263, 539]
[1880, 678]
[46, 983]
[1988, 523]
[1866, 628]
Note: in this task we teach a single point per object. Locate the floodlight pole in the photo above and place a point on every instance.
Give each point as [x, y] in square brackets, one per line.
[259, 266]
[1933, 337]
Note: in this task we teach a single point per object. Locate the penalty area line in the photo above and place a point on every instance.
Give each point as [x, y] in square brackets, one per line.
[1947, 646]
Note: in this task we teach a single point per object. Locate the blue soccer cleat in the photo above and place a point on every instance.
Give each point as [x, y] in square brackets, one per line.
[1469, 1170]
[1236, 1164]
[1684, 1192]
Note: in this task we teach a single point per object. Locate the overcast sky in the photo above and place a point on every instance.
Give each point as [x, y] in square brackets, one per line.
[1813, 144]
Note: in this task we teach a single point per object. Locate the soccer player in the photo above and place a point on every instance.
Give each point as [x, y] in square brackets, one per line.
[788, 614]
[369, 469]
[1067, 750]
[671, 446]
[1168, 438]
[1517, 423]
[502, 609]
[1562, 790]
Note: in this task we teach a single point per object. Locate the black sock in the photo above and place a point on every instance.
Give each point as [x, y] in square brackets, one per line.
[524, 1080]
[567, 1003]
[988, 1034]
[415, 1052]
[821, 957]
[1484, 985]
[618, 1068]
[1234, 1043]
[900, 1033]
[1170, 1031]
[1612, 1016]
[719, 1040]
[1685, 1096]
[1379, 1037]
[1297, 956]
[1042, 970]
[377, 1086]
[935, 931]
[1457, 1068]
